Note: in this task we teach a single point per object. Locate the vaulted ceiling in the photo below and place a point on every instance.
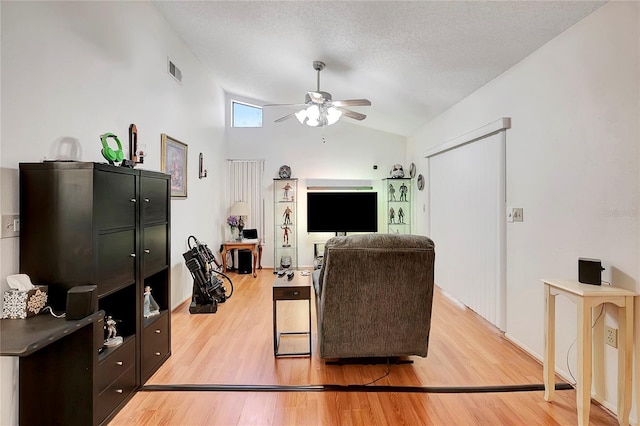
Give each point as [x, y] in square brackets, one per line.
[412, 59]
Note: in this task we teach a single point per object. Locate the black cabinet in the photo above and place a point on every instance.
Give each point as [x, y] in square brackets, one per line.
[88, 223]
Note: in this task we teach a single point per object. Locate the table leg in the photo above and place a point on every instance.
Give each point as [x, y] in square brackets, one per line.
[583, 391]
[255, 256]
[224, 259]
[549, 356]
[625, 360]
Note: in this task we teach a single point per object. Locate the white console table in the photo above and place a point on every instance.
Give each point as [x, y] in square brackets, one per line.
[587, 297]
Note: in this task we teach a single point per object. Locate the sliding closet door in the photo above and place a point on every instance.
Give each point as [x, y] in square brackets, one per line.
[467, 222]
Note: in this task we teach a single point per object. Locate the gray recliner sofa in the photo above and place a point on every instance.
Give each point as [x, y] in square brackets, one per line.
[374, 295]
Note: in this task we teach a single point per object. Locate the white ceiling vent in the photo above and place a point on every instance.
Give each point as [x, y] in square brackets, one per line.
[174, 70]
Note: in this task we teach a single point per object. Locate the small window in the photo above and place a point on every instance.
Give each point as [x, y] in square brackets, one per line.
[245, 115]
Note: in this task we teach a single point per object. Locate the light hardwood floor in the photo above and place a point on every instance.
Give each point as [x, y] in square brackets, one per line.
[235, 346]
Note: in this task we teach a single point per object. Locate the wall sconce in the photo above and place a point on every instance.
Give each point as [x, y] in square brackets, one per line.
[202, 173]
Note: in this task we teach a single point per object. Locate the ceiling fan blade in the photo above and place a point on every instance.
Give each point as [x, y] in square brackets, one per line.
[286, 117]
[352, 114]
[352, 102]
[281, 105]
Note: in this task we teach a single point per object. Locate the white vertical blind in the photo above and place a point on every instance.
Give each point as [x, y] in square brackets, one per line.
[467, 223]
[245, 179]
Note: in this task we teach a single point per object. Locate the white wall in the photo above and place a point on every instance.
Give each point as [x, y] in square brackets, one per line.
[572, 164]
[74, 70]
[342, 151]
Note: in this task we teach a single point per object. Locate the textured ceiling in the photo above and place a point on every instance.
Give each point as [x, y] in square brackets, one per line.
[412, 59]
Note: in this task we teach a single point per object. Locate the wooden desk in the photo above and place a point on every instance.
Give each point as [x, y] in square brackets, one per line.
[253, 245]
[587, 297]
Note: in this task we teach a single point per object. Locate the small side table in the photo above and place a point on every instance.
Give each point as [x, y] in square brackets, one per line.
[253, 245]
[298, 288]
[587, 297]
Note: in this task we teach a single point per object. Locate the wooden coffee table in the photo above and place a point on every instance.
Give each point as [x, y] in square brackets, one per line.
[285, 289]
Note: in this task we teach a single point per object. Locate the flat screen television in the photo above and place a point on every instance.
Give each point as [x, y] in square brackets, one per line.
[342, 212]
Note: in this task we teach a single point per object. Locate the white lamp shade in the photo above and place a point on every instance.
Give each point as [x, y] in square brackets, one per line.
[240, 208]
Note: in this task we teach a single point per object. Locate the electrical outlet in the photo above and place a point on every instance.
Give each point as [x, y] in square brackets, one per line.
[611, 336]
[10, 226]
[518, 214]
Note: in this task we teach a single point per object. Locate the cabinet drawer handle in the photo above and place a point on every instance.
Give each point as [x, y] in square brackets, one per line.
[119, 363]
[118, 390]
[146, 200]
[147, 251]
[132, 255]
[158, 354]
[133, 200]
[158, 331]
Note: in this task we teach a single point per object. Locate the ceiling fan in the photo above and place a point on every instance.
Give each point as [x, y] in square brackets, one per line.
[319, 108]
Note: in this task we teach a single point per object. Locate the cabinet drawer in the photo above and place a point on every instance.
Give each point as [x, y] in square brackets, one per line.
[153, 194]
[115, 394]
[115, 200]
[114, 365]
[155, 345]
[116, 260]
[154, 248]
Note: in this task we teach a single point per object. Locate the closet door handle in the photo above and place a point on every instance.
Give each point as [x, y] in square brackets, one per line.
[147, 251]
[133, 200]
[132, 255]
[158, 354]
[146, 200]
[118, 390]
[157, 331]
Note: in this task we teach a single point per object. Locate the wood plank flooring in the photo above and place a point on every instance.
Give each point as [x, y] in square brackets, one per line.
[235, 346]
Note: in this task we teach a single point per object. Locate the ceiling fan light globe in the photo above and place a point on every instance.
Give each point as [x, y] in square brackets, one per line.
[301, 116]
[333, 115]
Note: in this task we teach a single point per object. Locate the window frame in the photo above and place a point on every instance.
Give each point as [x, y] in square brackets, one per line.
[246, 104]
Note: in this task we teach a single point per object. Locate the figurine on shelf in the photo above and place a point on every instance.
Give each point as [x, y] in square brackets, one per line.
[392, 215]
[403, 192]
[287, 216]
[392, 193]
[286, 188]
[112, 339]
[400, 215]
[285, 236]
[151, 308]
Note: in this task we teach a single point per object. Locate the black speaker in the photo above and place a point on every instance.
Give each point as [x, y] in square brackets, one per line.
[244, 261]
[82, 300]
[590, 271]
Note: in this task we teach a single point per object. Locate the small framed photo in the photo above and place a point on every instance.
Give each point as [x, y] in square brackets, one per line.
[174, 162]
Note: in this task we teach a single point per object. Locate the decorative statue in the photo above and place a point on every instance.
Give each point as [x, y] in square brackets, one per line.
[286, 188]
[400, 215]
[285, 236]
[392, 215]
[151, 308]
[392, 192]
[284, 172]
[397, 171]
[403, 192]
[287, 216]
[112, 339]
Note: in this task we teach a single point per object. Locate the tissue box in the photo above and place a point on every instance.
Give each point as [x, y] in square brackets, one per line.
[24, 304]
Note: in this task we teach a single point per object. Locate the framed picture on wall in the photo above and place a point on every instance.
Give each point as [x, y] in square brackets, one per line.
[174, 162]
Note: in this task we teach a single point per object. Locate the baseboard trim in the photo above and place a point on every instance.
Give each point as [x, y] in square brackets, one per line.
[349, 388]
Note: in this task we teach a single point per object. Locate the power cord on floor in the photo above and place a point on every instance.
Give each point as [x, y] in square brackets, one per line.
[381, 377]
[574, 342]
